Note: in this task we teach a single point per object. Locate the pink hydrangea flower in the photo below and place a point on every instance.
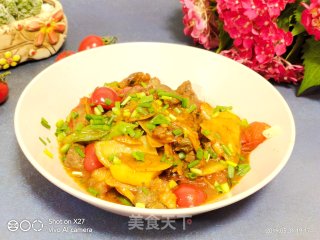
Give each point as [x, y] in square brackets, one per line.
[200, 22]
[310, 18]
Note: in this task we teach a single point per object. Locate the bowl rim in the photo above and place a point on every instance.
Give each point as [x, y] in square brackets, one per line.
[172, 213]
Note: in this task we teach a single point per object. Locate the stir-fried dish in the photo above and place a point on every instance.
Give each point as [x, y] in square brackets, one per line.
[140, 143]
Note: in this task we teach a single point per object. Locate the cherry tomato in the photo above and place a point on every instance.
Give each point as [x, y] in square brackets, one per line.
[252, 136]
[64, 54]
[91, 41]
[4, 91]
[189, 195]
[101, 96]
[91, 161]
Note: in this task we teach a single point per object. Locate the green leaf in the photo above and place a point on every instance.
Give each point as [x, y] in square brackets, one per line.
[224, 39]
[311, 63]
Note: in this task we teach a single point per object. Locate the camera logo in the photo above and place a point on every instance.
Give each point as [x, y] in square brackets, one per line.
[25, 225]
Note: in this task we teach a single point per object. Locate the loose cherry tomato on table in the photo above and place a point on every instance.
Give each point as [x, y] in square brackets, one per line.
[91, 161]
[104, 96]
[91, 41]
[252, 136]
[4, 89]
[189, 195]
[64, 54]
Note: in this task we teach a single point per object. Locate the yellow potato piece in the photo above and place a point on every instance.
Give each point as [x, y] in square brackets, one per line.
[150, 163]
[123, 173]
[105, 149]
[224, 128]
[212, 167]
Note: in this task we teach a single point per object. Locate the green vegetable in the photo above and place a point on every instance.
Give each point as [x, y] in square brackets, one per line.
[21, 9]
[193, 163]
[231, 171]
[43, 141]
[243, 169]
[125, 201]
[45, 123]
[177, 132]
[79, 151]
[139, 156]
[182, 155]
[191, 108]
[48, 153]
[93, 191]
[122, 128]
[159, 119]
[199, 153]
[87, 134]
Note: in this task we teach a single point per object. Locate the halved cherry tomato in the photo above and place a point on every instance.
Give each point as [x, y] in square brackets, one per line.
[91, 161]
[189, 195]
[104, 96]
[64, 54]
[91, 41]
[252, 136]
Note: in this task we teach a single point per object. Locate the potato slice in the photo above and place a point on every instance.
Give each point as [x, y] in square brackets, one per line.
[125, 174]
[107, 148]
[212, 167]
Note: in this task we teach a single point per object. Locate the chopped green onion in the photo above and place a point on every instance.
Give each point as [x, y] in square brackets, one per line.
[231, 170]
[48, 140]
[218, 109]
[125, 201]
[227, 150]
[177, 110]
[150, 126]
[199, 153]
[184, 102]
[196, 171]
[177, 132]
[45, 123]
[74, 115]
[108, 101]
[43, 141]
[139, 156]
[182, 155]
[231, 163]
[212, 153]
[165, 98]
[159, 119]
[142, 110]
[48, 153]
[191, 175]
[191, 108]
[140, 94]
[206, 155]
[205, 132]
[93, 191]
[145, 105]
[243, 169]
[146, 99]
[143, 84]
[65, 148]
[79, 151]
[222, 188]
[126, 100]
[193, 163]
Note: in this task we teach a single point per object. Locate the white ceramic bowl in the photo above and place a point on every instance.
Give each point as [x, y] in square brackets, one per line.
[216, 79]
